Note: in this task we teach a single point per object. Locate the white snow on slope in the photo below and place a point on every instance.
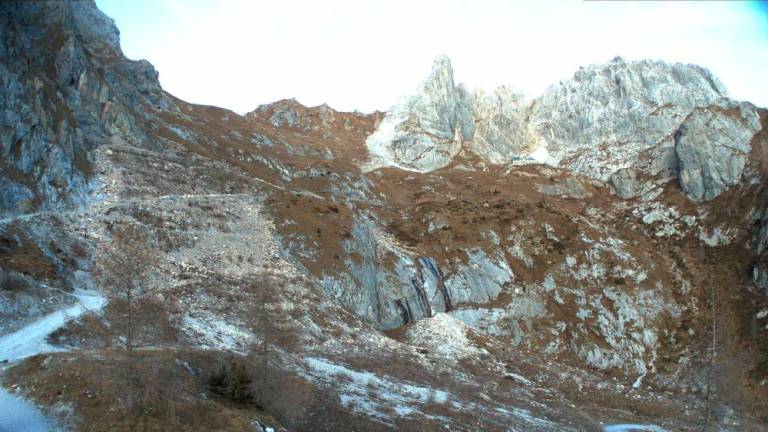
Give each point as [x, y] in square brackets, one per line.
[541, 155]
[633, 428]
[377, 396]
[213, 332]
[18, 415]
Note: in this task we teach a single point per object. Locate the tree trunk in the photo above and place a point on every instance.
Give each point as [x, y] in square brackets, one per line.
[264, 352]
[129, 319]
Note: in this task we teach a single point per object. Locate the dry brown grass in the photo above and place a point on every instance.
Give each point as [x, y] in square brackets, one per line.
[19, 253]
[158, 326]
[146, 391]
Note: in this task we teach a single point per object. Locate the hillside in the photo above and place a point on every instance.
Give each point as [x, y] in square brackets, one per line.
[467, 260]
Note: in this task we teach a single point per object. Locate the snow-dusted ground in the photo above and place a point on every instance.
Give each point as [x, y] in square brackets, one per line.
[632, 428]
[17, 414]
[381, 398]
[213, 332]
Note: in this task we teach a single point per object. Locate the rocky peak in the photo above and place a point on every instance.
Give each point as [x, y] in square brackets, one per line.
[97, 31]
[424, 131]
[618, 104]
[607, 118]
[440, 106]
[285, 112]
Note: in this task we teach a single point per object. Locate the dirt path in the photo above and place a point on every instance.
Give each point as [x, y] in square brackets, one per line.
[16, 413]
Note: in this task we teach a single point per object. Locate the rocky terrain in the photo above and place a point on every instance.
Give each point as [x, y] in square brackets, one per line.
[468, 260]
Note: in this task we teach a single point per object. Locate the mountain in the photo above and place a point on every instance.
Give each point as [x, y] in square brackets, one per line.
[468, 260]
[611, 121]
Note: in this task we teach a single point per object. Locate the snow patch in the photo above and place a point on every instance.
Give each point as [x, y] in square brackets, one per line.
[366, 393]
[215, 333]
[18, 415]
[444, 336]
[541, 155]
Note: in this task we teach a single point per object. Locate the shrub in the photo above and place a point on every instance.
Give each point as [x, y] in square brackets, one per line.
[233, 380]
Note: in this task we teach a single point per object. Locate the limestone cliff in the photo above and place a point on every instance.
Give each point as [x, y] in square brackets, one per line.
[426, 130]
[665, 121]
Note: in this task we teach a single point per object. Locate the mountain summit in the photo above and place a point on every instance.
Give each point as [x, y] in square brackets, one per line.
[608, 120]
[426, 130]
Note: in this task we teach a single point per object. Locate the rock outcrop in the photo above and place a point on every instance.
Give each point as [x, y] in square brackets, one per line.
[425, 131]
[61, 100]
[760, 269]
[617, 119]
[711, 147]
[501, 131]
[606, 115]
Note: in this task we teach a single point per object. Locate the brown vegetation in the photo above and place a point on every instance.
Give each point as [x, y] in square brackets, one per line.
[125, 266]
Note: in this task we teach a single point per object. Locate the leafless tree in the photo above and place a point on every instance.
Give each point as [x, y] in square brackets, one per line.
[124, 267]
[275, 389]
[264, 288]
[704, 260]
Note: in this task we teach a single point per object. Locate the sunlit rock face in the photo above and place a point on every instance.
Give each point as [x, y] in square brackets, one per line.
[501, 131]
[606, 115]
[426, 130]
[668, 121]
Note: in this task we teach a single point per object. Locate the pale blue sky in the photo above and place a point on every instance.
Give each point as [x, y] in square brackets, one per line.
[364, 54]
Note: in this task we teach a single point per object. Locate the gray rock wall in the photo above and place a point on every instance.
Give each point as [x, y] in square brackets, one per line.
[711, 147]
[609, 122]
[58, 106]
[426, 130]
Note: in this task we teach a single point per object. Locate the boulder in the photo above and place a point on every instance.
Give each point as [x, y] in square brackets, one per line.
[624, 182]
[711, 146]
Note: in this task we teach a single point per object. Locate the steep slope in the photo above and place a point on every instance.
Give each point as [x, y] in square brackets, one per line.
[420, 280]
[57, 108]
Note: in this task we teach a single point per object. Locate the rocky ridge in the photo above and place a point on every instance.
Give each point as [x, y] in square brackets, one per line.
[615, 121]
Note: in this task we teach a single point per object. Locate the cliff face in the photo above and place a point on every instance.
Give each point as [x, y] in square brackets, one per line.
[65, 89]
[426, 130]
[668, 121]
[464, 252]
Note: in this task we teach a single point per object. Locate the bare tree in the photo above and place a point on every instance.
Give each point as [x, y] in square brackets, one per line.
[124, 267]
[264, 288]
[712, 354]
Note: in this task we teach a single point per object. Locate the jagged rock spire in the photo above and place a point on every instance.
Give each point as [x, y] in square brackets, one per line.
[426, 130]
[606, 118]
